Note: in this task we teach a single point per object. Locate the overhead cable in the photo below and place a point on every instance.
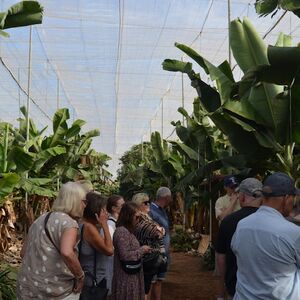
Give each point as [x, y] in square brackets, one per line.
[22, 89]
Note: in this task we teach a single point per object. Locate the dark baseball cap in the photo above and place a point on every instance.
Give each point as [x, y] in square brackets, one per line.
[230, 181]
[279, 184]
[250, 186]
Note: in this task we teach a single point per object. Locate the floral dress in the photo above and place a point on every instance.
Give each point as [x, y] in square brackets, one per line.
[126, 286]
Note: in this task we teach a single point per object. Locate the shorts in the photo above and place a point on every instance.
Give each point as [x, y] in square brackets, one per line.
[159, 277]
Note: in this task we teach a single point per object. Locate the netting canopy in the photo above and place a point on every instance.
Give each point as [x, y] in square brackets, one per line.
[102, 59]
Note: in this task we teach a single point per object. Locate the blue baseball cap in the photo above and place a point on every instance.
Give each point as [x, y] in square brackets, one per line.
[279, 184]
[230, 181]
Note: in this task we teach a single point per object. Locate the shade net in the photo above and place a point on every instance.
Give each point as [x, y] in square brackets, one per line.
[102, 60]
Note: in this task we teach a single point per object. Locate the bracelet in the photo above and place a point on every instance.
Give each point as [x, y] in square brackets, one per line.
[81, 276]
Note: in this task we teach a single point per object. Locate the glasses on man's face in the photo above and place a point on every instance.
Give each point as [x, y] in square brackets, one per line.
[146, 202]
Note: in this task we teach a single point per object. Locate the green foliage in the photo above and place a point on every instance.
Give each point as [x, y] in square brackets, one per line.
[266, 7]
[182, 241]
[7, 283]
[208, 259]
[21, 14]
[48, 158]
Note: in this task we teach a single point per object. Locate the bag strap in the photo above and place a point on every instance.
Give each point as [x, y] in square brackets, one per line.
[111, 219]
[48, 233]
[94, 276]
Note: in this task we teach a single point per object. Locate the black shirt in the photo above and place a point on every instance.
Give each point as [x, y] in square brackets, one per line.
[226, 231]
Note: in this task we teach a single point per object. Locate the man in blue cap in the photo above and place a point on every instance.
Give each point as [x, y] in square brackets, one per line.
[267, 246]
[228, 203]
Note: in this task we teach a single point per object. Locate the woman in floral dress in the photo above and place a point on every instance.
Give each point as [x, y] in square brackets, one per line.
[127, 248]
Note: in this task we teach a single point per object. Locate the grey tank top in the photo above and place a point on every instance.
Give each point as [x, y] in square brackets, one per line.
[87, 261]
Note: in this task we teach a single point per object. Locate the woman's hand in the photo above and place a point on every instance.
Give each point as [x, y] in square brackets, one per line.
[102, 217]
[78, 285]
[146, 249]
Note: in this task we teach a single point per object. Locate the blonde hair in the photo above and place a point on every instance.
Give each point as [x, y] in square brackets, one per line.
[139, 198]
[87, 185]
[69, 199]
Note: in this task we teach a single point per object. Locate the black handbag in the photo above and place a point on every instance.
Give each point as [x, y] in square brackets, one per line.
[98, 290]
[95, 292]
[131, 266]
[155, 262]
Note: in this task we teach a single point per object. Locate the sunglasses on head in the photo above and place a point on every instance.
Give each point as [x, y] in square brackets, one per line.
[147, 202]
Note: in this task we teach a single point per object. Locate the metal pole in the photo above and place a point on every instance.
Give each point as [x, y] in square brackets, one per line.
[162, 117]
[57, 107]
[229, 17]
[57, 95]
[182, 96]
[19, 93]
[142, 148]
[28, 101]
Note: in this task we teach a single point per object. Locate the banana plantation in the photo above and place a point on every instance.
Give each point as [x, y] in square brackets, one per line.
[133, 113]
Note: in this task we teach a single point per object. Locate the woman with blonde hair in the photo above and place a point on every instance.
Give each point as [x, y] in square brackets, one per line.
[50, 268]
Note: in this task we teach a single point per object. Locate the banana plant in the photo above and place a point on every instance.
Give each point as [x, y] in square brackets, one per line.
[246, 116]
[23, 13]
[266, 7]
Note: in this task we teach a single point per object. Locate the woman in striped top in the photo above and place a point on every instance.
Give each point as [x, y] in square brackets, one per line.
[148, 233]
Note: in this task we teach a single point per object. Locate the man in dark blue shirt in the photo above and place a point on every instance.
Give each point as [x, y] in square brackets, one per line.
[159, 215]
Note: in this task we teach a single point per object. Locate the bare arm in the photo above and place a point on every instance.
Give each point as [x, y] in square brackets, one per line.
[93, 237]
[67, 244]
[230, 209]
[221, 263]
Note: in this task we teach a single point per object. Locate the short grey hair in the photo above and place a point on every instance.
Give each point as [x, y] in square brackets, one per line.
[163, 192]
[69, 199]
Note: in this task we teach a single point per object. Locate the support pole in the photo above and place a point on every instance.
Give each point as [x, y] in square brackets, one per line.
[229, 18]
[57, 108]
[57, 95]
[182, 94]
[28, 101]
[19, 92]
[162, 117]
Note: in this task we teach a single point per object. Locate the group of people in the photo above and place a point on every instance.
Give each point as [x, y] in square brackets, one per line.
[89, 247]
[258, 244]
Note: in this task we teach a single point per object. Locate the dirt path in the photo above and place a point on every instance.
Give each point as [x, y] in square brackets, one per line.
[187, 281]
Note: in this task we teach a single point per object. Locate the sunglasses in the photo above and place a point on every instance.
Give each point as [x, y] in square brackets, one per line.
[146, 202]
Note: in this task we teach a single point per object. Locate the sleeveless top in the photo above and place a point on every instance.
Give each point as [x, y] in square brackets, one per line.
[87, 261]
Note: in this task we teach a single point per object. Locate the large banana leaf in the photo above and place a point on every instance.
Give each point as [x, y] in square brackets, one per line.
[250, 51]
[22, 14]
[222, 74]
[265, 7]
[23, 160]
[33, 187]
[60, 128]
[7, 183]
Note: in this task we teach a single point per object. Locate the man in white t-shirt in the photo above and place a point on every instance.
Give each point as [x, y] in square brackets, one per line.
[229, 203]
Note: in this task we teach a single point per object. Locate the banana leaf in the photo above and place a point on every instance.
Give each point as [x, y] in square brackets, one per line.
[7, 183]
[250, 51]
[22, 14]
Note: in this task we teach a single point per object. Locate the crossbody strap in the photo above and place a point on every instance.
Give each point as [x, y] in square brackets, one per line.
[95, 255]
[111, 219]
[48, 233]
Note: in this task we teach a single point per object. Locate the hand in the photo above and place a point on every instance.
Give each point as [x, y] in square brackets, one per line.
[78, 285]
[102, 217]
[234, 197]
[146, 249]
